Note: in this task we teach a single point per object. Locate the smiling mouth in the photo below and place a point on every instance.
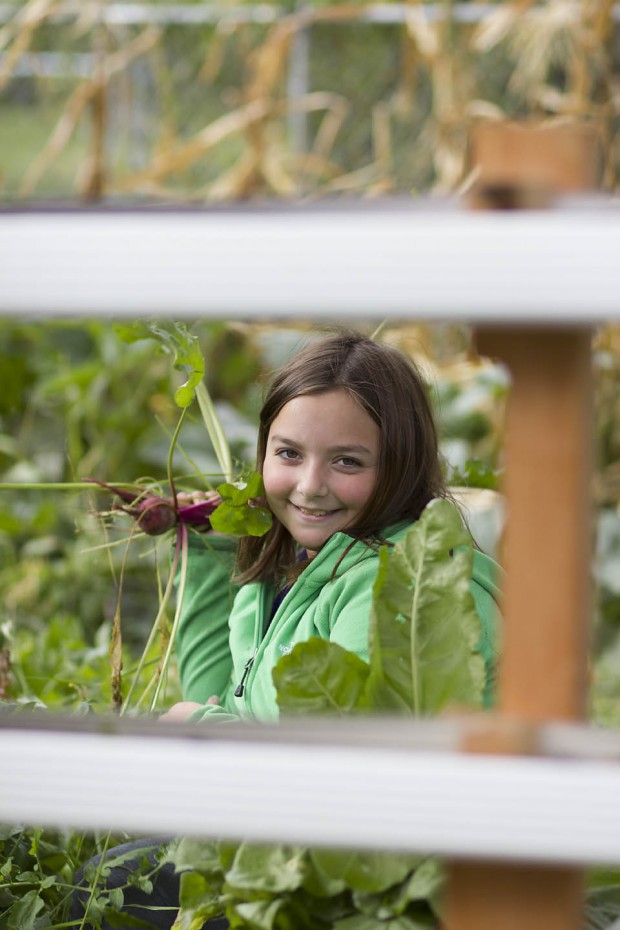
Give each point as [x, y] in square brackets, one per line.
[313, 513]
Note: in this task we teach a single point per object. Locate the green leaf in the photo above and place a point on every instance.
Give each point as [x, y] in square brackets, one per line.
[319, 677]
[175, 339]
[244, 491]
[321, 883]
[238, 515]
[241, 520]
[273, 869]
[424, 884]
[326, 909]
[424, 628]
[200, 898]
[369, 872]
[133, 332]
[116, 897]
[195, 891]
[258, 915]
[22, 915]
[201, 855]
[474, 474]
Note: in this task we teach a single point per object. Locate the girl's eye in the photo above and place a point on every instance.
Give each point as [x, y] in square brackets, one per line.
[348, 462]
[289, 455]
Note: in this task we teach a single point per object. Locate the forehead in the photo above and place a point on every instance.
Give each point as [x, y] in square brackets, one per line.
[333, 416]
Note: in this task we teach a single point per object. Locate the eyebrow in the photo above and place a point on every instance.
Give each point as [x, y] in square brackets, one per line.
[283, 440]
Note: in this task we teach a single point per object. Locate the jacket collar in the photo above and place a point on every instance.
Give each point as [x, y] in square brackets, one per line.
[344, 551]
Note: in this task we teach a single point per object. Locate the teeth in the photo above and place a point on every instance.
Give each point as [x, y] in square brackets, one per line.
[313, 513]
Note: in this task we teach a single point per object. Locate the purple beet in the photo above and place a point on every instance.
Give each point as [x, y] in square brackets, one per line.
[197, 514]
[156, 515]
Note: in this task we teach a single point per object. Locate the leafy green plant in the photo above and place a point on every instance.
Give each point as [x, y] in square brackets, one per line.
[423, 647]
[37, 869]
[474, 474]
[156, 515]
[58, 669]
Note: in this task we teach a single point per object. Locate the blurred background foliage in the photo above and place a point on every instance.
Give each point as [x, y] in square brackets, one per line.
[155, 103]
[195, 102]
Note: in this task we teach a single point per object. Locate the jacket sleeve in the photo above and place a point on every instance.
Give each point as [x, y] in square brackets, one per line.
[202, 643]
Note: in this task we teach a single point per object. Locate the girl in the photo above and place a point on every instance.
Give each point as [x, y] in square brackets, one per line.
[347, 448]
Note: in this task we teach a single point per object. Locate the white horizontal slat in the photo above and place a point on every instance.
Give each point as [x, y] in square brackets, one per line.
[534, 809]
[559, 266]
[133, 14]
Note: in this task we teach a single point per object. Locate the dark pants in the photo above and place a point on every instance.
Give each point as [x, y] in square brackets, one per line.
[158, 908]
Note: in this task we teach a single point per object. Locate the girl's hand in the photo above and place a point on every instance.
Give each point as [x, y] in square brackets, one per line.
[184, 709]
[193, 499]
[187, 498]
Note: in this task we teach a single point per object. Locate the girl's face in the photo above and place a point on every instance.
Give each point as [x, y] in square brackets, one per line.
[320, 465]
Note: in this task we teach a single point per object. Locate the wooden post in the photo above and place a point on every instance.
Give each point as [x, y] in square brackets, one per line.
[546, 552]
[548, 544]
[547, 158]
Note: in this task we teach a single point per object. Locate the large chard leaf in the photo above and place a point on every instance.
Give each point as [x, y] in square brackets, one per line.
[319, 677]
[424, 627]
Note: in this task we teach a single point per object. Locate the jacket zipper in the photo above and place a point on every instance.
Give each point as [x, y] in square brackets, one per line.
[261, 631]
[246, 671]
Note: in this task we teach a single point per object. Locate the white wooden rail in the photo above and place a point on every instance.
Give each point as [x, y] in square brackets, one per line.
[432, 261]
[393, 784]
[190, 14]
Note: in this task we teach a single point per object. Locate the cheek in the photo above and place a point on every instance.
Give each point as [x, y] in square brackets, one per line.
[275, 480]
[358, 493]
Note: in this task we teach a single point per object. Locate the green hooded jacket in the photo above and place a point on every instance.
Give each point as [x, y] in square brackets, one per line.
[228, 642]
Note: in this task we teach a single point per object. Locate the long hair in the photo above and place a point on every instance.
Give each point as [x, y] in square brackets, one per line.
[389, 387]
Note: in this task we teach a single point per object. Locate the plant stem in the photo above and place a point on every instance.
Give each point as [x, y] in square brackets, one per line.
[56, 485]
[93, 887]
[215, 431]
[154, 629]
[182, 544]
[173, 443]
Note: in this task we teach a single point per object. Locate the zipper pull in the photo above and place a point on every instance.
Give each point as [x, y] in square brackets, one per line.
[246, 671]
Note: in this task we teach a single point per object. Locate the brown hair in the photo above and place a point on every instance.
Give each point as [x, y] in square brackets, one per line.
[389, 387]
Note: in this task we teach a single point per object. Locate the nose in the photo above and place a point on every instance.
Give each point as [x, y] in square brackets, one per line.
[312, 481]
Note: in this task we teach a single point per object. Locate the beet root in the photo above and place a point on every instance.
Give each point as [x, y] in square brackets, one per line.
[156, 515]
